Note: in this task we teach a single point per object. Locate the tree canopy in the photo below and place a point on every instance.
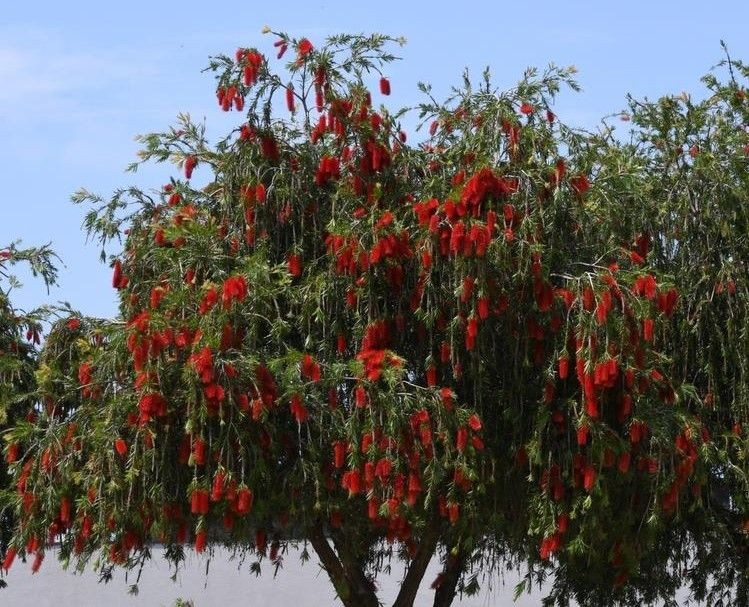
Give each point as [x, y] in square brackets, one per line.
[511, 343]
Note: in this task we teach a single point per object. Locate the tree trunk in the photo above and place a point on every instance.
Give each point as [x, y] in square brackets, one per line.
[352, 586]
[445, 593]
[417, 568]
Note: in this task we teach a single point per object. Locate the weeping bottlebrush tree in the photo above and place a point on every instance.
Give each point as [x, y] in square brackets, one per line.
[505, 344]
[20, 334]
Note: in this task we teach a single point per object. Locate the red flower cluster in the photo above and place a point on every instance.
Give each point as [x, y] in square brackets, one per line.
[209, 300]
[374, 361]
[190, 163]
[252, 61]
[328, 169]
[304, 48]
[229, 97]
[151, 405]
[309, 368]
[235, 289]
[483, 184]
[298, 410]
[646, 286]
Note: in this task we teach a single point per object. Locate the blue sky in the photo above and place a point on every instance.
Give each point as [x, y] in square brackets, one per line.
[78, 80]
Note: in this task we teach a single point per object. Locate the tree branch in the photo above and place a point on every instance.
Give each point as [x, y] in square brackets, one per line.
[444, 595]
[353, 567]
[352, 586]
[418, 566]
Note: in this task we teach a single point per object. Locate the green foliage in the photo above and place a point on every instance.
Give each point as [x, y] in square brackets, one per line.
[20, 334]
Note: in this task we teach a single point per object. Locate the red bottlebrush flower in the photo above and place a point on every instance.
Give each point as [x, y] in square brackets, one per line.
[467, 290]
[117, 275]
[260, 193]
[200, 541]
[646, 285]
[589, 477]
[482, 184]
[369, 474]
[245, 500]
[309, 368]
[290, 98]
[474, 422]
[567, 297]
[550, 116]
[361, 397]
[564, 367]
[260, 541]
[298, 410]
[602, 311]
[563, 522]
[447, 398]
[274, 547]
[526, 108]
[339, 453]
[10, 556]
[461, 439]
[120, 446]
[12, 454]
[579, 184]
[209, 300]
[582, 435]
[84, 373]
[549, 392]
[217, 488]
[384, 86]
[304, 48]
[667, 301]
[200, 501]
[190, 164]
[73, 324]
[351, 480]
[294, 263]
[648, 326]
[636, 431]
[589, 299]
[269, 148]
[38, 558]
[373, 507]
[151, 405]
[234, 289]
[472, 329]
[482, 308]
[341, 343]
[431, 376]
[199, 451]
